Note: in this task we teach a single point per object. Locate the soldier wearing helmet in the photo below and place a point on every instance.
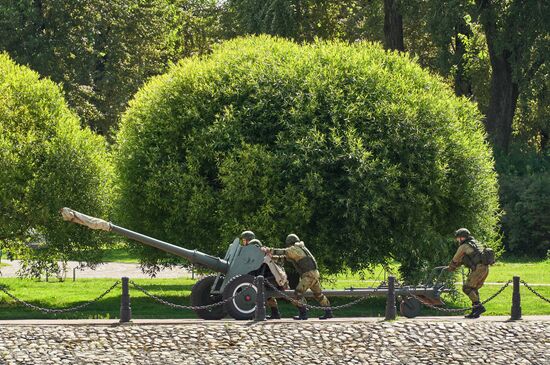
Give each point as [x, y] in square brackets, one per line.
[249, 238]
[305, 264]
[469, 254]
[246, 237]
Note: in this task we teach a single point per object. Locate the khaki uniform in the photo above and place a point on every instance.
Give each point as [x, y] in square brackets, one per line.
[478, 272]
[309, 275]
[270, 302]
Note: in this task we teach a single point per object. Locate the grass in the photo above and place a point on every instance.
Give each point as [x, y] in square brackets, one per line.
[120, 254]
[68, 294]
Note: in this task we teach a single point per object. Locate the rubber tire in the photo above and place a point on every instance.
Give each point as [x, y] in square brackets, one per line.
[200, 295]
[235, 306]
[410, 307]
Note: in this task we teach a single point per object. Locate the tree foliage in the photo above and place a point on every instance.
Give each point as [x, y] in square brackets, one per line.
[102, 51]
[46, 162]
[362, 153]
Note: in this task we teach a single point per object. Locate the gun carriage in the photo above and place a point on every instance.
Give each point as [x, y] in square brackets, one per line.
[236, 273]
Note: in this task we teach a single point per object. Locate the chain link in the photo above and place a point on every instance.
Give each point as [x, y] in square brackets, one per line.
[535, 292]
[191, 307]
[308, 306]
[461, 310]
[64, 310]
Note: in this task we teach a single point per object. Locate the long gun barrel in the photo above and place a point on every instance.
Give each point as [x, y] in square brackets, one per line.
[214, 263]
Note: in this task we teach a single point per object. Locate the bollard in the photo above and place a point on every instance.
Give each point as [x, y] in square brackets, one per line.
[260, 299]
[125, 309]
[516, 301]
[390, 302]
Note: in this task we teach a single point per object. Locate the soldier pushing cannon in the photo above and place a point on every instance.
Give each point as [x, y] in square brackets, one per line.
[235, 284]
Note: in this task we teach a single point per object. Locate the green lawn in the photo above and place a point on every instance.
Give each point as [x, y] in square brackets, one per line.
[66, 294]
[120, 254]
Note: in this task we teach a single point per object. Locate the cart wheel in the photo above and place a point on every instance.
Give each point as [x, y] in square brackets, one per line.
[244, 303]
[200, 296]
[410, 307]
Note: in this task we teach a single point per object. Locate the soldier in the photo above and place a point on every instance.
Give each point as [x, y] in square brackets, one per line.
[305, 264]
[246, 237]
[249, 238]
[469, 255]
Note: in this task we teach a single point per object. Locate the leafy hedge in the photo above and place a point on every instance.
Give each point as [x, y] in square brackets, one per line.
[524, 181]
[46, 162]
[363, 154]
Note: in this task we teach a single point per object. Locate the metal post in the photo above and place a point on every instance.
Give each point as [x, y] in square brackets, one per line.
[390, 302]
[125, 309]
[260, 299]
[516, 301]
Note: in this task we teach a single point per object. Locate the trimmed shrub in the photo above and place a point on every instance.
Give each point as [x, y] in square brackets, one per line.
[46, 162]
[363, 154]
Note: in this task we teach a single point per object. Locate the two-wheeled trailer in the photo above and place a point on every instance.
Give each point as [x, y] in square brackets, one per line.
[410, 297]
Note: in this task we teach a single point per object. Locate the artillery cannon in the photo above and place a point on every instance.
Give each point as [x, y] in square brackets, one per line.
[236, 271]
[235, 282]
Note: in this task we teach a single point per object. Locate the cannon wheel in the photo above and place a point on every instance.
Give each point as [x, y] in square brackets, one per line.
[200, 296]
[244, 304]
[410, 307]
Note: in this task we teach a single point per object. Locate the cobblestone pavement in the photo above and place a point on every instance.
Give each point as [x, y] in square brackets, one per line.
[312, 342]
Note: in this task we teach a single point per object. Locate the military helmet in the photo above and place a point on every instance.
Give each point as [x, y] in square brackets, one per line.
[255, 242]
[462, 232]
[291, 239]
[248, 235]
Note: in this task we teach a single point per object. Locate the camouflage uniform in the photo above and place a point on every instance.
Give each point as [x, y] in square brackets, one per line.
[270, 302]
[468, 256]
[306, 266]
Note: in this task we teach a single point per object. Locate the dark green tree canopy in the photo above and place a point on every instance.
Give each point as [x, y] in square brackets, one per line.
[46, 162]
[363, 154]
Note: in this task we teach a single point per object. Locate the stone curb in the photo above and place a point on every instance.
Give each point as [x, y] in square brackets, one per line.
[138, 322]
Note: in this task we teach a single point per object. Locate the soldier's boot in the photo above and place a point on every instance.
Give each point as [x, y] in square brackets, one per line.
[327, 315]
[476, 311]
[302, 314]
[274, 314]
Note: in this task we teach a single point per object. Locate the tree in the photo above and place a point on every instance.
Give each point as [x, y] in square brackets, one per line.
[294, 19]
[357, 151]
[516, 33]
[393, 26]
[46, 162]
[102, 51]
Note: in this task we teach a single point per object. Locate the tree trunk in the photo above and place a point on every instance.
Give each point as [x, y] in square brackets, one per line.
[544, 139]
[504, 89]
[463, 86]
[502, 103]
[393, 26]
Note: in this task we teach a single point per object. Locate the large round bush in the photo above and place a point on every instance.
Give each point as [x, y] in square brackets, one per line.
[363, 154]
[46, 162]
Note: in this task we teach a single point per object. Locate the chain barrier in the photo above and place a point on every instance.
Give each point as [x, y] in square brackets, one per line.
[64, 310]
[535, 292]
[308, 306]
[282, 293]
[191, 307]
[461, 310]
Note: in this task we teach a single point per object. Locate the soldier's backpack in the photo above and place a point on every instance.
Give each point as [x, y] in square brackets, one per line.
[487, 256]
[483, 255]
